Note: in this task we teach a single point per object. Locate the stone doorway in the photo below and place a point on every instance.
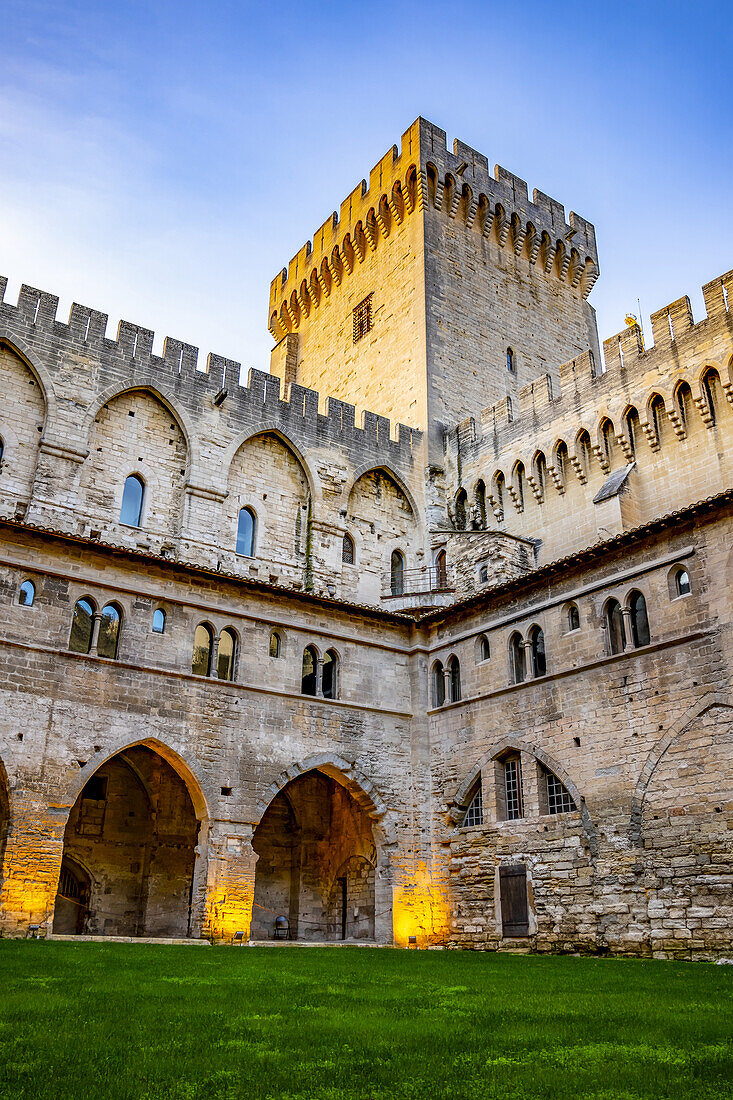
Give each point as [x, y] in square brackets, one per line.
[316, 863]
[129, 851]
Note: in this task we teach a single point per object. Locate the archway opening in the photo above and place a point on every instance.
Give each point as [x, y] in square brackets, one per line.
[129, 851]
[316, 864]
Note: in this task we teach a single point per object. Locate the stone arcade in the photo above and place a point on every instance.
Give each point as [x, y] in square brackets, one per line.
[344, 645]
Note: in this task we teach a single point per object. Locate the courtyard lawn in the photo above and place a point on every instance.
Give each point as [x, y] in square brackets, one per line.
[113, 1021]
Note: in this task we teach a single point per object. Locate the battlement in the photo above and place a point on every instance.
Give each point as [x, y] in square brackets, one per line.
[423, 174]
[32, 326]
[632, 375]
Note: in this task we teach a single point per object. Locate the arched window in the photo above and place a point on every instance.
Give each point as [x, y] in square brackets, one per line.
[203, 644]
[131, 512]
[455, 680]
[310, 668]
[573, 617]
[461, 498]
[483, 649]
[275, 644]
[639, 620]
[513, 793]
[27, 594]
[658, 415]
[499, 492]
[633, 428]
[683, 401]
[438, 685]
[159, 621]
[481, 503]
[516, 658]
[615, 627]
[608, 440]
[540, 471]
[555, 798]
[397, 573]
[583, 451]
[226, 654]
[483, 574]
[347, 550]
[2, 451]
[519, 484]
[441, 569]
[510, 363]
[246, 533]
[109, 631]
[329, 683]
[711, 392]
[474, 815]
[561, 461]
[80, 640]
[682, 586]
[537, 651]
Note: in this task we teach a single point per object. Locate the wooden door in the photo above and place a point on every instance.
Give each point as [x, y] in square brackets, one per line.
[514, 906]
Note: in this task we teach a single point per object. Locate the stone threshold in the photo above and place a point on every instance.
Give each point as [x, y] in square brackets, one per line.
[177, 941]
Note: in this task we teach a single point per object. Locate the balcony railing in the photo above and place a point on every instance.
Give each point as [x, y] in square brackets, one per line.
[414, 582]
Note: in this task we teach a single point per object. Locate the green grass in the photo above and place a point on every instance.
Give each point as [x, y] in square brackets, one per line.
[113, 1021]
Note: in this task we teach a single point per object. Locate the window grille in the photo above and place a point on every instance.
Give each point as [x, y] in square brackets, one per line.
[363, 318]
[513, 786]
[559, 800]
[347, 550]
[475, 813]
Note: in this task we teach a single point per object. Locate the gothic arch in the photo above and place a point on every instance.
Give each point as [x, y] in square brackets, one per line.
[369, 467]
[511, 741]
[696, 711]
[270, 428]
[189, 770]
[41, 375]
[166, 398]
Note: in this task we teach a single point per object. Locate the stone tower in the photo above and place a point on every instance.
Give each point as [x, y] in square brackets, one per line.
[436, 290]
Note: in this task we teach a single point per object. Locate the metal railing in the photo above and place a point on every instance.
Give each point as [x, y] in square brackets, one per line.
[413, 582]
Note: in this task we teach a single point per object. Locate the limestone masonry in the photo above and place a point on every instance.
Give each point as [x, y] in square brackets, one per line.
[424, 637]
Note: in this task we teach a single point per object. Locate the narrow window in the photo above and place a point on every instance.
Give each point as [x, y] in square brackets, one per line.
[682, 582]
[481, 503]
[461, 499]
[131, 511]
[639, 620]
[275, 644]
[362, 318]
[540, 466]
[474, 815]
[483, 574]
[710, 383]
[226, 654]
[513, 788]
[347, 550]
[519, 484]
[608, 440]
[510, 364]
[109, 631]
[683, 399]
[2, 450]
[499, 493]
[438, 685]
[561, 461]
[573, 617]
[484, 649]
[329, 683]
[27, 594]
[455, 680]
[615, 627]
[310, 666]
[441, 569]
[203, 643]
[516, 658]
[633, 429]
[246, 533]
[658, 411]
[559, 799]
[537, 650]
[159, 621]
[397, 573]
[80, 640]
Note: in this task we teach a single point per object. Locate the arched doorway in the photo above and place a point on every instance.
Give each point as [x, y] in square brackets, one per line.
[316, 863]
[129, 851]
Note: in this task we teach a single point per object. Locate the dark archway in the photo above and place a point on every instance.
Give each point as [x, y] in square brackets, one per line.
[316, 863]
[129, 851]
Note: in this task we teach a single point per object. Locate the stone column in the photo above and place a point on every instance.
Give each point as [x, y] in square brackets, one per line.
[319, 677]
[215, 657]
[96, 624]
[626, 612]
[447, 684]
[230, 880]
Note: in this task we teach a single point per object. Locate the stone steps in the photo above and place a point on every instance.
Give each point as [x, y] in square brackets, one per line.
[169, 940]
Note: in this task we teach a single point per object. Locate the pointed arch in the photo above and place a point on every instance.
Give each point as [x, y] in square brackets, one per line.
[165, 397]
[368, 468]
[270, 428]
[40, 373]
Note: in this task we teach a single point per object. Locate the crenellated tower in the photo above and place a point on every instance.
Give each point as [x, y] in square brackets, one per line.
[437, 287]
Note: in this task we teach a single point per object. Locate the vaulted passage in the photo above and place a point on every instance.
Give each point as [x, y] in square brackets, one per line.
[129, 851]
[316, 864]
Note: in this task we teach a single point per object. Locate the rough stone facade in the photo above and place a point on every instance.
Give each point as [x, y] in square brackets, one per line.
[463, 681]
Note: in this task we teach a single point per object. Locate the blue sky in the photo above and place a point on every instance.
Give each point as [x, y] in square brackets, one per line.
[162, 162]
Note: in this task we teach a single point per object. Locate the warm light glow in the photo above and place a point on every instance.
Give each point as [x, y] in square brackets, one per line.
[421, 909]
[228, 910]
